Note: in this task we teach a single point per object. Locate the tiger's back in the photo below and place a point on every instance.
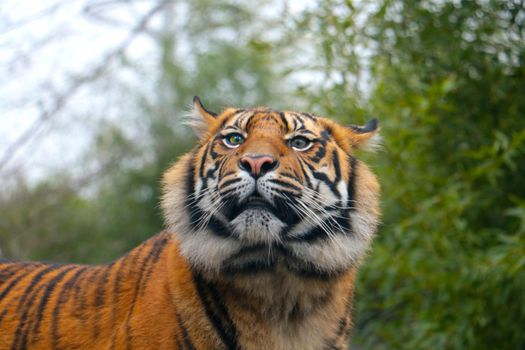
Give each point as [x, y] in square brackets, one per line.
[267, 220]
[46, 306]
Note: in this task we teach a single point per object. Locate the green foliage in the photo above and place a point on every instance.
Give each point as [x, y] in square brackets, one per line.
[447, 82]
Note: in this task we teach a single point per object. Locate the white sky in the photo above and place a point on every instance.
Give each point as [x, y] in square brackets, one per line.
[43, 45]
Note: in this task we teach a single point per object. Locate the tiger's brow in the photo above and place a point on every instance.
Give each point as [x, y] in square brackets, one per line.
[241, 117]
[230, 127]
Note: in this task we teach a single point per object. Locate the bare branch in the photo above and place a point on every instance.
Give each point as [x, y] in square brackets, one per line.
[63, 98]
[44, 13]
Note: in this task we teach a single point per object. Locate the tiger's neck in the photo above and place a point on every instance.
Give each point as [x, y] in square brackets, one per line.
[269, 311]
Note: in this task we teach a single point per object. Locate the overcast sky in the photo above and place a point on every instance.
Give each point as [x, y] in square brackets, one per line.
[47, 45]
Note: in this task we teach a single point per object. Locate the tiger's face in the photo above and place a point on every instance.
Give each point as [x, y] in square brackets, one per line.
[267, 190]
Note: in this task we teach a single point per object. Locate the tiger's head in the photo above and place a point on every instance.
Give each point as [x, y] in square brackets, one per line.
[266, 190]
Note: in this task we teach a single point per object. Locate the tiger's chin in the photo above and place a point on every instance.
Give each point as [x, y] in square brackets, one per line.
[256, 226]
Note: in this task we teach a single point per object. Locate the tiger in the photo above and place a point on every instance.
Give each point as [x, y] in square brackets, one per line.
[267, 220]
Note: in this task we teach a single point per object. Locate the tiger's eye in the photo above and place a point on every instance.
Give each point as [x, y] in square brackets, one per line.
[233, 140]
[300, 143]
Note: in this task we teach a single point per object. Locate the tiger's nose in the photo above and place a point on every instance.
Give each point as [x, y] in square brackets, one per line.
[258, 165]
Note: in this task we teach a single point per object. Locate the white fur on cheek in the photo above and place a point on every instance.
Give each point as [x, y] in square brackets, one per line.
[206, 251]
[342, 250]
[337, 253]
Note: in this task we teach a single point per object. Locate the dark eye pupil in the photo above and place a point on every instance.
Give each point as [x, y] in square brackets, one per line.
[299, 142]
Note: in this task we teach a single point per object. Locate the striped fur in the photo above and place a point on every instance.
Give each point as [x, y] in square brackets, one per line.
[249, 260]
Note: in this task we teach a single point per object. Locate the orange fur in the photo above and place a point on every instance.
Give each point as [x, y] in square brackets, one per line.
[161, 296]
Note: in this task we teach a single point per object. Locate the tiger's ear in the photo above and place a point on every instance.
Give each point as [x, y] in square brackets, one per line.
[199, 117]
[366, 137]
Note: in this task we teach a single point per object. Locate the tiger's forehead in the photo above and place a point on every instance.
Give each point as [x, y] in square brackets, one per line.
[272, 121]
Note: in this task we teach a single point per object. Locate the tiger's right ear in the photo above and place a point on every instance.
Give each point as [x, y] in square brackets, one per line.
[199, 117]
[365, 137]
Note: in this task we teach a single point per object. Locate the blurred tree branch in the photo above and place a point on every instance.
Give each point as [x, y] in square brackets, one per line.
[61, 99]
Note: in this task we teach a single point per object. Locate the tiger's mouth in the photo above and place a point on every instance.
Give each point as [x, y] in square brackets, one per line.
[279, 208]
[254, 202]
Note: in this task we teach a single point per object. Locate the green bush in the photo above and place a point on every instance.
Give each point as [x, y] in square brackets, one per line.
[447, 80]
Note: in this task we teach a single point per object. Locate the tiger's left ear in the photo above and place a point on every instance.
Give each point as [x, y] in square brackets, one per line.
[366, 137]
[199, 117]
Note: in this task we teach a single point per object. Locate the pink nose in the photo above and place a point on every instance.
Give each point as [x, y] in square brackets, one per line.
[257, 165]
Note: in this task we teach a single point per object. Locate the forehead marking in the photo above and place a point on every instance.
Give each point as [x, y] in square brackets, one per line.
[285, 121]
[298, 122]
[246, 119]
[268, 122]
[240, 119]
[309, 116]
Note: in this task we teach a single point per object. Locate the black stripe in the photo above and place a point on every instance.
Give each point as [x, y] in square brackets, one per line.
[50, 287]
[343, 330]
[309, 116]
[100, 296]
[285, 122]
[116, 289]
[251, 119]
[229, 194]
[62, 298]
[190, 190]
[285, 184]
[36, 278]
[228, 173]
[100, 292]
[294, 176]
[249, 268]
[178, 344]
[335, 225]
[321, 152]
[229, 182]
[351, 183]
[2, 314]
[213, 154]
[136, 292]
[307, 269]
[185, 336]
[301, 122]
[324, 178]
[158, 247]
[12, 269]
[203, 160]
[84, 291]
[218, 228]
[240, 120]
[134, 255]
[25, 303]
[13, 284]
[313, 235]
[306, 177]
[23, 320]
[337, 166]
[254, 265]
[217, 313]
